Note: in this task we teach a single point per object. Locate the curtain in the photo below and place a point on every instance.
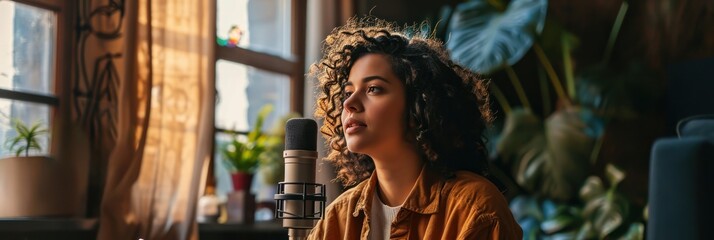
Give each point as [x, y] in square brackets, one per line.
[164, 124]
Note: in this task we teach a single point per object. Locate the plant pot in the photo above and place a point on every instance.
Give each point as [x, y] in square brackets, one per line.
[240, 207]
[242, 181]
[40, 187]
[240, 204]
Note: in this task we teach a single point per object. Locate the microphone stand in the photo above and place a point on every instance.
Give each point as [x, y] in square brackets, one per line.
[298, 233]
[300, 223]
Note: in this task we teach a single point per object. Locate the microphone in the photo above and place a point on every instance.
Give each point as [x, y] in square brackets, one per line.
[299, 200]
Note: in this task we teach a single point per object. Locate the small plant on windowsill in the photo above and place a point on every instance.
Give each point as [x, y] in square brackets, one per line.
[242, 155]
[26, 139]
[40, 182]
[34, 176]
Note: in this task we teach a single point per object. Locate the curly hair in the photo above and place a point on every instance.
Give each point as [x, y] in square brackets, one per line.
[447, 107]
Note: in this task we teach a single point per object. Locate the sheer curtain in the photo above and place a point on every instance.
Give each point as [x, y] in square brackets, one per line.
[165, 120]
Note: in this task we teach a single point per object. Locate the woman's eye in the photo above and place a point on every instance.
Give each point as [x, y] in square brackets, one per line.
[346, 95]
[374, 89]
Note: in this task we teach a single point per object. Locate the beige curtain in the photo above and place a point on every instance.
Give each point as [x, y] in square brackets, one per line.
[165, 121]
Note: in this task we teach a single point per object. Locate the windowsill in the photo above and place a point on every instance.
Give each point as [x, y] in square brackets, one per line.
[48, 228]
[47, 224]
[258, 230]
[86, 228]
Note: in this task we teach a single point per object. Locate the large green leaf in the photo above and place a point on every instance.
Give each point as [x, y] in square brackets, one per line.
[550, 159]
[606, 213]
[484, 37]
[605, 210]
[592, 188]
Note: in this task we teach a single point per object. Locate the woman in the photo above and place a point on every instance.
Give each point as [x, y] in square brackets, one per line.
[404, 125]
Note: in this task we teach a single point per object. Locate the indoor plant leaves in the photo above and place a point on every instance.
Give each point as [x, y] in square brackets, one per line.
[564, 218]
[550, 159]
[26, 139]
[605, 210]
[243, 155]
[484, 37]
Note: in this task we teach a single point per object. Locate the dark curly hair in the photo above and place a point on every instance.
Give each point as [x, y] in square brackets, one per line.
[447, 107]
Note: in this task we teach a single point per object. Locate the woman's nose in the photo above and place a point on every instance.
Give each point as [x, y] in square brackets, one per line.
[352, 103]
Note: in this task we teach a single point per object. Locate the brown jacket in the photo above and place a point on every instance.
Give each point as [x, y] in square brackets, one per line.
[464, 206]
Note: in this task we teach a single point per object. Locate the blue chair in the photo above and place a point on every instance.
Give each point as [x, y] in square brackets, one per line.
[681, 184]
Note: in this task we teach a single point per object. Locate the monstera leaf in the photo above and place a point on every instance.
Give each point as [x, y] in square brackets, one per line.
[552, 158]
[601, 213]
[606, 210]
[484, 37]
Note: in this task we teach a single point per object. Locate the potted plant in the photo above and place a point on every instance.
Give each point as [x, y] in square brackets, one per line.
[242, 153]
[548, 158]
[602, 212]
[26, 138]
[27, 175]
[38, 180]
[243, 156]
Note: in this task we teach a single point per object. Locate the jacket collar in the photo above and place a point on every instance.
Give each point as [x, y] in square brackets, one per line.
[423, 199]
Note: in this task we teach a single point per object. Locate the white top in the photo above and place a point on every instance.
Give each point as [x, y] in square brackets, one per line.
[381, 217]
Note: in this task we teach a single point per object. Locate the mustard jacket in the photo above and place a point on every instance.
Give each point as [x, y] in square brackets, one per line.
[464, 206]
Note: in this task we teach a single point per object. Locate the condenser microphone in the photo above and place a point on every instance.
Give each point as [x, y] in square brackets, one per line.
[300, 201]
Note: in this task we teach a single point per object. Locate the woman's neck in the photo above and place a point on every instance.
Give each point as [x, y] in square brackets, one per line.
[397, 173]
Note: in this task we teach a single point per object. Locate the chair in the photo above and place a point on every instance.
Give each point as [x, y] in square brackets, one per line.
[681, 184]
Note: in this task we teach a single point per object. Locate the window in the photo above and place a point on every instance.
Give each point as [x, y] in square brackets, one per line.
[259, 61]
[28, 72]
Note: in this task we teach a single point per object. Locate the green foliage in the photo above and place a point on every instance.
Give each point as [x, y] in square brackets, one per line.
[604, 213]
[547, 154]
[26, 139]
[271, 161]
[548, 157]
[243, 155]
[485, 35]
[259, 151]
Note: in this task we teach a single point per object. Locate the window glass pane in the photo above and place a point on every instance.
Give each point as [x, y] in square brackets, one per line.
[243, 90]
[27, 48]
[28, 114]
[221, 170]
[260, 25]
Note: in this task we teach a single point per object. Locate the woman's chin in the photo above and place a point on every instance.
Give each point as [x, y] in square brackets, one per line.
[356, 147]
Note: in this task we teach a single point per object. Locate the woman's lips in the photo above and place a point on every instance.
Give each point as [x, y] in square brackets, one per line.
[354, 129]
[353, 126]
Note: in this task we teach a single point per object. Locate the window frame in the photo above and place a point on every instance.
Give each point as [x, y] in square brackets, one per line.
[62, 75]
[293, 67]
